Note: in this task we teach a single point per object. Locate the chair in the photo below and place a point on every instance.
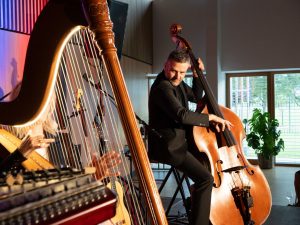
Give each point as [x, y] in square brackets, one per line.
[181, 180]
[170, 172]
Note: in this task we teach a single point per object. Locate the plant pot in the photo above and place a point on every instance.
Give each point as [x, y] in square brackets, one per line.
[266, 163]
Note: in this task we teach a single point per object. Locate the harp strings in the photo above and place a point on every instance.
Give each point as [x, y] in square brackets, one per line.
[81, 70]
[116, 144]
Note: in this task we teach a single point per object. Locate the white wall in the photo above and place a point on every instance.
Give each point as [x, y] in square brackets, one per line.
[231, 35]
[190, 14]
[260, 34]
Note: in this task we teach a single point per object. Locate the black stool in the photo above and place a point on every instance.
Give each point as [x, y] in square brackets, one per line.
[180, 178]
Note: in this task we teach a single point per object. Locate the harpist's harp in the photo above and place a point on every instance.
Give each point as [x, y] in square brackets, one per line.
[56, 38]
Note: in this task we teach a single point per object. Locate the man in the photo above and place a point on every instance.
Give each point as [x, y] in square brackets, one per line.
[170, 119]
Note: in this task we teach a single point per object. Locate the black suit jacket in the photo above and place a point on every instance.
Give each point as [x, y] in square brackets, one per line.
[170, 117]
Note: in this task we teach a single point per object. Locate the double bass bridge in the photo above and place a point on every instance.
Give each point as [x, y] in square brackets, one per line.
[243, 201]
[241, 194]
[239, 187]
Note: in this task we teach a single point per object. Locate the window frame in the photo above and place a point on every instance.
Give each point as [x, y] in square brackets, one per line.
[270, 90]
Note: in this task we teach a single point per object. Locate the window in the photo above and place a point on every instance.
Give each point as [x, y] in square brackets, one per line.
[276, 92]
[287, 111]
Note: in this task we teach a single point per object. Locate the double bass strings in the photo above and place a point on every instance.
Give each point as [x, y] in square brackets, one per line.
[230, 159]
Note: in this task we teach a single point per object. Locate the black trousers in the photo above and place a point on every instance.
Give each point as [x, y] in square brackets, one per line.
[203, 184]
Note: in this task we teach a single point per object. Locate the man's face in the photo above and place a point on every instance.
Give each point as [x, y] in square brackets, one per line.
[175, 71]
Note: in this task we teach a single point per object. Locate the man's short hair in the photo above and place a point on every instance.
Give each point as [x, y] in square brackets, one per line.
[180, 55]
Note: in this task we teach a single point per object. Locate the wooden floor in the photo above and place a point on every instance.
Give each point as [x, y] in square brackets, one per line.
[281, 182]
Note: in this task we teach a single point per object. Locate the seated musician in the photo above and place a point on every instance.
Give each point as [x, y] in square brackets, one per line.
[170, 117]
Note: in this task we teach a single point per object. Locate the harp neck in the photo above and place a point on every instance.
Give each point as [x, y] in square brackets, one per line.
[97, 14]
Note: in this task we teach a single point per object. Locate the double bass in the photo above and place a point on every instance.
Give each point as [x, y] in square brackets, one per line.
[241, 194]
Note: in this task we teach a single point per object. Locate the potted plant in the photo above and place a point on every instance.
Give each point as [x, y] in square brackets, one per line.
[264, 138]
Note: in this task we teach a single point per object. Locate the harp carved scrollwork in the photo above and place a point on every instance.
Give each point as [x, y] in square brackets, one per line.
[57, 65]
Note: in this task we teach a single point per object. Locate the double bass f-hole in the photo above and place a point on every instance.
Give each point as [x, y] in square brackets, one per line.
[218, 166]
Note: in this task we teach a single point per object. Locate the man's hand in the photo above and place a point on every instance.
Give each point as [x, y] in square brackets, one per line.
[30, 143]
[107, 165]
[219, 123]
[201, 67]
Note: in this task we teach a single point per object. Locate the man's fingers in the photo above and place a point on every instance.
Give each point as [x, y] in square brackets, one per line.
[113, 163]
[228, 124]
[201, 65]
[44, 142]
[48, 140]
[112, 155]
[217, 128]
